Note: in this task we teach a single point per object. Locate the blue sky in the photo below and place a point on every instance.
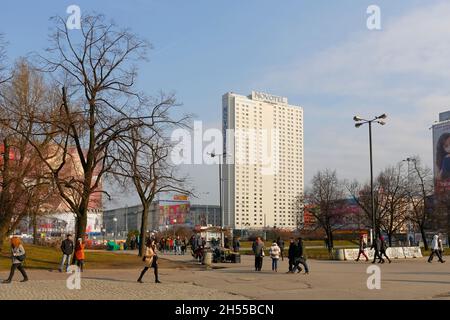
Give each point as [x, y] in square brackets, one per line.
[317, 53]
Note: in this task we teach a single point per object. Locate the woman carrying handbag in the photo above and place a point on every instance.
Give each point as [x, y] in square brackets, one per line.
[150, 260]
[18, 257]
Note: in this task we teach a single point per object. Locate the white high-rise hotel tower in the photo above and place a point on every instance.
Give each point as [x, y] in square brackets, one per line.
[263, 172]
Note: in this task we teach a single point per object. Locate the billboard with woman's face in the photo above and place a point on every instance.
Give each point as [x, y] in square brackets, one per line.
[441, 156]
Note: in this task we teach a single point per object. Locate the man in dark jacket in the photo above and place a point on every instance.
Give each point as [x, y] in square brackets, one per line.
[383, 248]
[258, 250]
[376, 245]
[236, 244]
[299, 257]
[67, 250]
[291, 255]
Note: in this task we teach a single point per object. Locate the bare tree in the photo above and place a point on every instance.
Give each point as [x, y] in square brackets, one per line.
[362, 196]
[420, 188]
[99, 104]
[144, 160]
[389, 198]
[324, 201]
[24, 187]
[3, 76]
[394, 200]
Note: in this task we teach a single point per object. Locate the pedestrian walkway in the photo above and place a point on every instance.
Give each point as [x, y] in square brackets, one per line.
[108, 285]
[403, 279]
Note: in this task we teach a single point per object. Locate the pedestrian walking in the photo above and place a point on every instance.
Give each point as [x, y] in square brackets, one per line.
[362, 248]
[226, 243]
[180, 245]
[67, 250]
[18, 257]
[133, 243]
[376, 245]
[150, 260]
[435, 249]
[299, 257]
[441, 246]
[184, 246]
[383, 249]
[236, 244]
[274, 253]
[79, 254]
[291, 254]
[280, 243]
[171, 244]
[175, 245]
[326, 242]
[258, 250]
[192, 242]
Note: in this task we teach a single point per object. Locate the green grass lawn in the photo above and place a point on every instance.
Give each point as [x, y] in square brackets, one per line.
[39, 257]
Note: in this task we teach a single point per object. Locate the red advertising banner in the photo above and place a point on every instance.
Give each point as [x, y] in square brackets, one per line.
[171, 214]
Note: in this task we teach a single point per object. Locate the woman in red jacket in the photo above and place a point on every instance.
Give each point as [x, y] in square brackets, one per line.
[79, 254]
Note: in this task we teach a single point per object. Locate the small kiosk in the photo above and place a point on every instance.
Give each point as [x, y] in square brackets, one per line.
[212, 236]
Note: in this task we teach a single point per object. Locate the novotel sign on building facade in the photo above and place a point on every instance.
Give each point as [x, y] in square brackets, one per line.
[261, 96]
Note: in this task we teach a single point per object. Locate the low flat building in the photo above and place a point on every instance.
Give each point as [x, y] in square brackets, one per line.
[162, 215]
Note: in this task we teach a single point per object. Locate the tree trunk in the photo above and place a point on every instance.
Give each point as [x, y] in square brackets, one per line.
[143, 229]
[330, 241]
[81, 223]
[3, 236]
[390, 239]
[424, 237]
[2, 241]
[34, 222]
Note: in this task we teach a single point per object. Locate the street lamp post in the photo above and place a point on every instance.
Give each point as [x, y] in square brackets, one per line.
[409, 160]
[103, 232]
[222, 241]
[115, 233]
[359, 122]
[174, 222]
[410, 228]
[126, 219]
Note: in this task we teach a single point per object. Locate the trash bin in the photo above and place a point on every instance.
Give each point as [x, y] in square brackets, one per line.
[207, 258]
[237, 258]
[339, 254]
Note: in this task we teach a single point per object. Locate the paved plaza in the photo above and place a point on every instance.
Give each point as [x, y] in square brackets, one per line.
[402, 279]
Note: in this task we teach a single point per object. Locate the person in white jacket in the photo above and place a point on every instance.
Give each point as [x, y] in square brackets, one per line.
[274, 253]
[435, 249]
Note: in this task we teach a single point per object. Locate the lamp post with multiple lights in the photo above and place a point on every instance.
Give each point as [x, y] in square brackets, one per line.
[410, 226]
[359, 122]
